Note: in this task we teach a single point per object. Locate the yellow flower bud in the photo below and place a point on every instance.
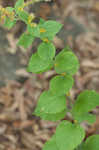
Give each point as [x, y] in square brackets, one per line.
[63, 74]
[45, 40]
[42, 30]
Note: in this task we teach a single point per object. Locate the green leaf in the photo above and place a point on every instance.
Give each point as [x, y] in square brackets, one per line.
[23, 15]
[10, 9]
[51, 27]
[37, 65]
[51, 144]
[52, 117]
[46, 51]
[9, 23]
[49, 103]
[66, 62]
[92, 143]
[35, 31]
[69, 136]
[86, 101]
[61, 85]
[19, 4]
[41, 22]
[25, 40]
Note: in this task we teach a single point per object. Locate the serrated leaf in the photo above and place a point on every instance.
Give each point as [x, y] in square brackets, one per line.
[61, 85]
[25, 40]
[19, 4]
[52, 117]
[51, 144]
[92, 143]
[51, 27]
[46, 51]
[66, 62]
[68, 135]
[37, 65]
[86, 101]
[49, 103]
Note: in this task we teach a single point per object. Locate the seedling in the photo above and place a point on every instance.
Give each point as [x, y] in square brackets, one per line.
[52, 104]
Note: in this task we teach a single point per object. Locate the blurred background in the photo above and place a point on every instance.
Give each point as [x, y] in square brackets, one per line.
[19, 90]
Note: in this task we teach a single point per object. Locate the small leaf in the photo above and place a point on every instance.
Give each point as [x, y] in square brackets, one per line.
[42, 21]
[25, 40]
[19, 4]
[51, 144]
[37, 65]
[9, 23]
[49, 103]
[86, 101]
[61, 85]
[66, 62]
[51, 27]
[92, 143]
[35, 31]
[52, 117]
[46, 51]
[23, 15]
[69, 136]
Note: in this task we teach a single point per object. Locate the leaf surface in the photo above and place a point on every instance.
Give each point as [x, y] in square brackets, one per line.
[69, 136]
[66, 62]
[46, 51]
[61, 85]
[86, 102]
[37, 65]
[92, 143]
[49, 103]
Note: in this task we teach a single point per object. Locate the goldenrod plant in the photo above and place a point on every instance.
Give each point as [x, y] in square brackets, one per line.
[52, 104]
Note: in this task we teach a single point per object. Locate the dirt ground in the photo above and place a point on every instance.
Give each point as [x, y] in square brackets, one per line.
[19, 90]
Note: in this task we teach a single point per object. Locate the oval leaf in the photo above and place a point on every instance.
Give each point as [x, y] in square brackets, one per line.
[37, 65]
[85, 102]
[52, 117]
[49, 103]
[51, 29]
[92, 143]
[51, 144]
[46, 51]
[69, 136]
[66, 62]
[61, 85]
[25, 40]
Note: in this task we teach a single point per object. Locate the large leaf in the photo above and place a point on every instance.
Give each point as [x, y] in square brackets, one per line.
[51, 28]
[46, 51]
[68, 135]
[49, 103]
[52, 117]
[61, 85]
[66, 61]
[92, 143]
[85, 102]
[37, 65]
[25, 40]
[51, 144]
